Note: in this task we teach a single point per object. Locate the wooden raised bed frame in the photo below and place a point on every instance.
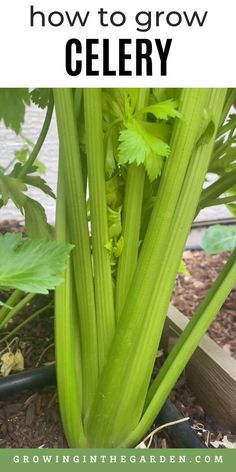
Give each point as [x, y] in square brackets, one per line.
[211, 372]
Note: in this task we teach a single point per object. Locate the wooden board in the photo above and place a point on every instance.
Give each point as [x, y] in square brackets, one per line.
[211, 373]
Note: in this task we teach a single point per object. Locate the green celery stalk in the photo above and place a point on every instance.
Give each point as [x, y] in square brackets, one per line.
[71, 192]
[98, 210]
[131, 222]
[11, 302]
[184, 348]
[125, 364]
[68, 352]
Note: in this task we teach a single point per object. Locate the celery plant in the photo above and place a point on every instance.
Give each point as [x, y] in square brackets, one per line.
[141, 157]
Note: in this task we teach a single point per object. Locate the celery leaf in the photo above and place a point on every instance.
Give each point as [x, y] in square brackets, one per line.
[163, 110]
[139, 146]
[34, 265]
[36, 220]
[12, 188]
[32, 180]
[12, 107]
[40, 97]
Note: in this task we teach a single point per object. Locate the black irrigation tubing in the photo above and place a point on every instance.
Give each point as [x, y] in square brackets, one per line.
[182, 434]
[27, 379]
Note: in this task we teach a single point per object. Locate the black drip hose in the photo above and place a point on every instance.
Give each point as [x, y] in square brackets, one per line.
[27, 379]
[182, 434]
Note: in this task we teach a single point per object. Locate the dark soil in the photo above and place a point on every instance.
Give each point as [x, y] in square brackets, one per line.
[32, 420]
[189, 291]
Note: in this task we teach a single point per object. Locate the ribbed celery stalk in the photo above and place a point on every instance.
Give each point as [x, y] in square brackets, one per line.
[133, 351]
[184, 348]
[72, 191]
[68, 356]
[182, 219]
[131, 221]
[98, 211]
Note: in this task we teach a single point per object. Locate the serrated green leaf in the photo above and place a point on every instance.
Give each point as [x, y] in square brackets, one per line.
[219, 238]
[40, 97]
[163, 110]
[36, 220]
[38, 182]
[33, 266]
[139, 146]
[12, 107]
[12, 188]
[32, 180]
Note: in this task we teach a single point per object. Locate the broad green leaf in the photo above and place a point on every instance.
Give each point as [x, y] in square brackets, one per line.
[219, 238]
[139, 146]
[12, 188]
[12, 107]
[163, 110]
[33, 266]
[40, 97]
[36, 220]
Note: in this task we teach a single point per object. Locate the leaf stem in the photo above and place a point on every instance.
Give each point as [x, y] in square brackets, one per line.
[131, 222]
[37, 147]
[72, 224]
[16, 309]
[12, 300]
[216, 189]
[23, 323]
[98, 210]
